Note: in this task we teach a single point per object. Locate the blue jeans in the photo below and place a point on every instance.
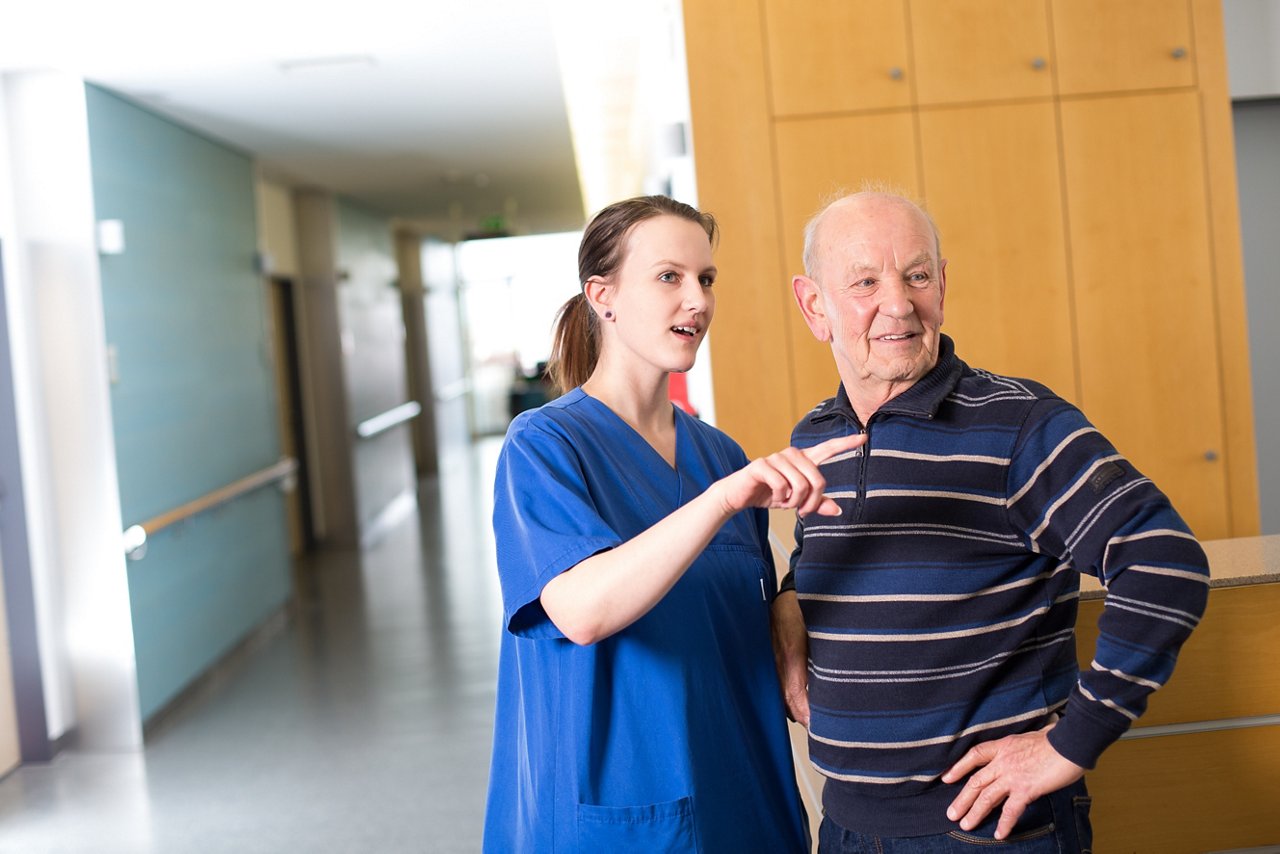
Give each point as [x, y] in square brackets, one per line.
[1069, 832]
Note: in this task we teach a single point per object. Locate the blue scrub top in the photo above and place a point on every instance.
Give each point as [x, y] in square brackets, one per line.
[670, 735]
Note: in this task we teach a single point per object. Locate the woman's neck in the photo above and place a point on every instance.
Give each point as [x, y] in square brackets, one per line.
[642, 401]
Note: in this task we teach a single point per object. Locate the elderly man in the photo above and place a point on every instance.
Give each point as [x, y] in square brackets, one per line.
[942, 695]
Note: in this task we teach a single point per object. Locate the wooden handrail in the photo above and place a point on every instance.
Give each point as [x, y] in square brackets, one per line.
[135, 536]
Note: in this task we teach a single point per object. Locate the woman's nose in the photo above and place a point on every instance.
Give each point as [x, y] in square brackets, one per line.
[695, 296]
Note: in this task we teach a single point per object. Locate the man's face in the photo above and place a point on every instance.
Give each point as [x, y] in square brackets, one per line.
[878, 294]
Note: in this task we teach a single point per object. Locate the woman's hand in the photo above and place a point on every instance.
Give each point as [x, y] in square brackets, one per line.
[609, 591]
[787, 479]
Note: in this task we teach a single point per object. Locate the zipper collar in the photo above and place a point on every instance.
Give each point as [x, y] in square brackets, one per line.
[921, 400]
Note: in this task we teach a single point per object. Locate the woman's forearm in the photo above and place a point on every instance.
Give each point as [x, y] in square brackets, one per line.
[611, 590]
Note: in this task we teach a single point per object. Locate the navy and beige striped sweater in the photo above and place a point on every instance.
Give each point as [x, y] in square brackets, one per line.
[941, 604]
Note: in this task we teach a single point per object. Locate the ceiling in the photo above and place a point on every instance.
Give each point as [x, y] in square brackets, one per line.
[443, 114]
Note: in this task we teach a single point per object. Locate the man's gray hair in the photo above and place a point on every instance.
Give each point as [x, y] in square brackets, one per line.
[866, 188]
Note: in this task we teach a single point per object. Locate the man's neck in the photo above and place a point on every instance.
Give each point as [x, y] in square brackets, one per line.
[867, 396]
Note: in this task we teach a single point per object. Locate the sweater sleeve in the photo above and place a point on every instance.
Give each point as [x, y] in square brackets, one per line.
[1072, 495]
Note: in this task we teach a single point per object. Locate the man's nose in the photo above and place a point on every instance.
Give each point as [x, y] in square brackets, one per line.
[895, 299]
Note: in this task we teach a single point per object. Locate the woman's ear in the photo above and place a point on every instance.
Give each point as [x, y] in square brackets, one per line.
[599, 294]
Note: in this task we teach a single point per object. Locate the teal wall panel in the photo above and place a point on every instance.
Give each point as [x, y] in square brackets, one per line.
[194, 405]
[203, 586]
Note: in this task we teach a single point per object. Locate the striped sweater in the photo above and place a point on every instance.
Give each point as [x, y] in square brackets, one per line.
[941, 604]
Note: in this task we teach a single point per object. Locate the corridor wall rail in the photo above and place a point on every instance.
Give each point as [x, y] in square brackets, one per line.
[384, 421]
[135, 536]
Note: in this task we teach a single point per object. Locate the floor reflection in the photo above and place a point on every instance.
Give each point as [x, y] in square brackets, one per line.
[361, 723]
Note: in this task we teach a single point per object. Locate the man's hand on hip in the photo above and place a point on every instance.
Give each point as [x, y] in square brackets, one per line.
[1015, 769]
[791, 655]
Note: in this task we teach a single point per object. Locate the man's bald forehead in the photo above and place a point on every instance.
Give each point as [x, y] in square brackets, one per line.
[857, 202]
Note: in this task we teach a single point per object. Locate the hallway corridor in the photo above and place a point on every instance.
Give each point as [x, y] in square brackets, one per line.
[360, 723]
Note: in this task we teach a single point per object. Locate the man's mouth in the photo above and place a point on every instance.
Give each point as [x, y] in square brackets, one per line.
[901, 336]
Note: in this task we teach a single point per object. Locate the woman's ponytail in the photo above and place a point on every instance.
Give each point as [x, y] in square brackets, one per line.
[576, 344]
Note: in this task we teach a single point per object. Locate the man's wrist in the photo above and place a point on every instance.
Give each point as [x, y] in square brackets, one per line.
[1080, 740]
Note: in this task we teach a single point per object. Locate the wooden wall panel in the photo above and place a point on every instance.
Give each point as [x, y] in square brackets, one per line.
[1144, 291]
[1104, 46]
[980, 50]
[992, 184]
[1186, 794]
[732, 139]
[837, 55]
[1224, 211]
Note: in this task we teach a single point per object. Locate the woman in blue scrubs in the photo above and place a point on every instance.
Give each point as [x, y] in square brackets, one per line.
[638, 705]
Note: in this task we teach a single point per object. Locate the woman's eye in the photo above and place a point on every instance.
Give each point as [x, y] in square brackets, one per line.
[668, 277]
[707, 281]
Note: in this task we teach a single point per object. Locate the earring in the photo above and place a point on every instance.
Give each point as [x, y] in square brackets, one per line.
[608, 315]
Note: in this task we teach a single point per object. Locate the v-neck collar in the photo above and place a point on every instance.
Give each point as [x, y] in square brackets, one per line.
[673, 467]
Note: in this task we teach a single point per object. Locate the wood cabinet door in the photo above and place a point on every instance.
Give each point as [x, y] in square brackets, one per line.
[1109, 46]
[819, 159]
[733, 146]
[980, 50]
[829, 56]
[1144, 287]
[992, 184]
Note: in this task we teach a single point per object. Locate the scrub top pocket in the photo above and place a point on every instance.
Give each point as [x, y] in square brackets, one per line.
[647, 829]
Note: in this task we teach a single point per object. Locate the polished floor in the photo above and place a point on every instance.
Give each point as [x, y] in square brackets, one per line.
[359, 723]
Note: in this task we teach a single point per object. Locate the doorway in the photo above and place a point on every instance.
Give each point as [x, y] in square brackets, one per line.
[293, 441]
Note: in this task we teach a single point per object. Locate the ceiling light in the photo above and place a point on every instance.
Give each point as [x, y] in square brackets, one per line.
[326, 63]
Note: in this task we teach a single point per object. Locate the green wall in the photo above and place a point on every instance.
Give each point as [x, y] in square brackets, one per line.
[194, 403]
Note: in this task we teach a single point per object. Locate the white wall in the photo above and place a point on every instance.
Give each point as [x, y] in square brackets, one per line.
[10, 752]
[1253, 47]
[1257, 130]
[1253, 61]
[446, 348]
[61, 389]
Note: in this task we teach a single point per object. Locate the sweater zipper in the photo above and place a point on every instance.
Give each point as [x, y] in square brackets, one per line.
[863, 458]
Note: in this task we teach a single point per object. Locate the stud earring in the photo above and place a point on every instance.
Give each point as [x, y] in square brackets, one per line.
[608, 315]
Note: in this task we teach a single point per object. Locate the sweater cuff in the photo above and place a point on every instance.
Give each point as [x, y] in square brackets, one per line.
[1080, 737]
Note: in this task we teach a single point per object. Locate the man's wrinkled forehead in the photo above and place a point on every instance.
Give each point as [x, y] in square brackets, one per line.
[853, 232]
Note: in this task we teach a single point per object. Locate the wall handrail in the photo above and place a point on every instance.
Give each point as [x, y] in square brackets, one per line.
[384, 421]
[135, 536]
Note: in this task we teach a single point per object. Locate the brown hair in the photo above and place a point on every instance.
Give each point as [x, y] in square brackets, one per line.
[576, 345]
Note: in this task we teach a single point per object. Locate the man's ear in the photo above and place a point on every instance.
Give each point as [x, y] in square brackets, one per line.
[942, 282]
[809, 297]
[599, 294]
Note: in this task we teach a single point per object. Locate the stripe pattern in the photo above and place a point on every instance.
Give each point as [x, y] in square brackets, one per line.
[941, 603]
